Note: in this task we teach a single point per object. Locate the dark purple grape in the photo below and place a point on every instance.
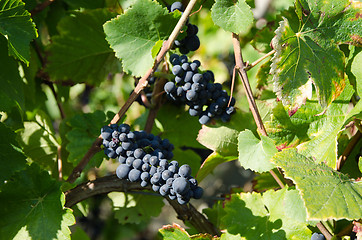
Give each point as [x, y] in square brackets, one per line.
[198, 192]
[137, 163]
[170, 87]
[317, 236]
[164, 190]
[145, 176]
[185, 171]
[181, 185]
[204, 119]
[191, 95]
[176, 6]
[122, 171]
[134, 175]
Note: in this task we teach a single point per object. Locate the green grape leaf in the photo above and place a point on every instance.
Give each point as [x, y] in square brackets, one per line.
[175, 231]
[33, 207]
[223, 138]
[80, 52]
[178, 136]
[266, 181]
[210, 163]
[357, 71]
[339, 22]
[255, 154]
[315, 134]
[135, 208]
[271, 215]
[327, 194]
[301, 60]
[133, 34]
[18, 28]
[11, 90]
[85, 129]
[12, 158]
[39, 142]
[232, 16]
[215, 213]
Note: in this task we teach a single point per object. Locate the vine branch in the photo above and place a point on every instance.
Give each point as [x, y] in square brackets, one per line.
[241, 69]
[140, 86]
[250, 66]
[112, 183]
[347, 151]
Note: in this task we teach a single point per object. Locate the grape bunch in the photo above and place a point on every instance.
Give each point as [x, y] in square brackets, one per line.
[318, 236]
[205, 98]
[144, 158]
[191, 42]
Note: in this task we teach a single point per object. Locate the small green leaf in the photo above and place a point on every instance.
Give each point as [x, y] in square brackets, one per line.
[133, 34]
[327, 194]
[135, 208]
[232, 16]
[85, 129]
[156, 48]
[18, 28]
[223, 138]
[80, 52]
[210, 163]
[33, 207]
[11, 90]
[174, 232]
[39, 142]
[271, 215]
[12, 158]
[255, 154]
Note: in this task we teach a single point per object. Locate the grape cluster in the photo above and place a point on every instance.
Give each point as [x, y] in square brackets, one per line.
[143, 158]
[191, 42]
[318, 236]
[205, 98]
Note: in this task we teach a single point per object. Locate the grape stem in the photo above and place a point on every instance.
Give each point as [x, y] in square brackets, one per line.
[347, 151]
[140, 86]
[112, 183]
[250, 66]
[41, 6]
[240, 68]
[324, 231]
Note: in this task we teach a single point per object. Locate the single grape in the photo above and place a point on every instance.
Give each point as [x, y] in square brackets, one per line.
[164, 190]
[180, 185]
[139, 153]
[191, 95]
[145, 176]
[137, 163]
[146, 167]
[204, 119]
[198, 192]
[169, 87]
[176, 6]
[134, 175]
[106, 132]
[317, 236]
[185, 171]
[166, 174]
[122, 171]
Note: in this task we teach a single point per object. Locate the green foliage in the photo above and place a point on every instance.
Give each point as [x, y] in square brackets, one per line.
[133, 34]
[11, 91]
[58, 89]
[33, 207]
[229, 15]
[12, 158]
[255, 154]
[18, 28]
[304, 57]
[315, 134]
[271, 215]
[210, 163]
[327, 194]
[85, 129]
[39, 142]
[135, 208]
[80, 52]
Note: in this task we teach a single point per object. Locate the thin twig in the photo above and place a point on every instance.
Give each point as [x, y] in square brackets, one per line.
[111, 183]
[324, 231]
[240, 67]
[232, 86]
[250, 66]
[140, 86]
[347, 151]
[41, 6]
